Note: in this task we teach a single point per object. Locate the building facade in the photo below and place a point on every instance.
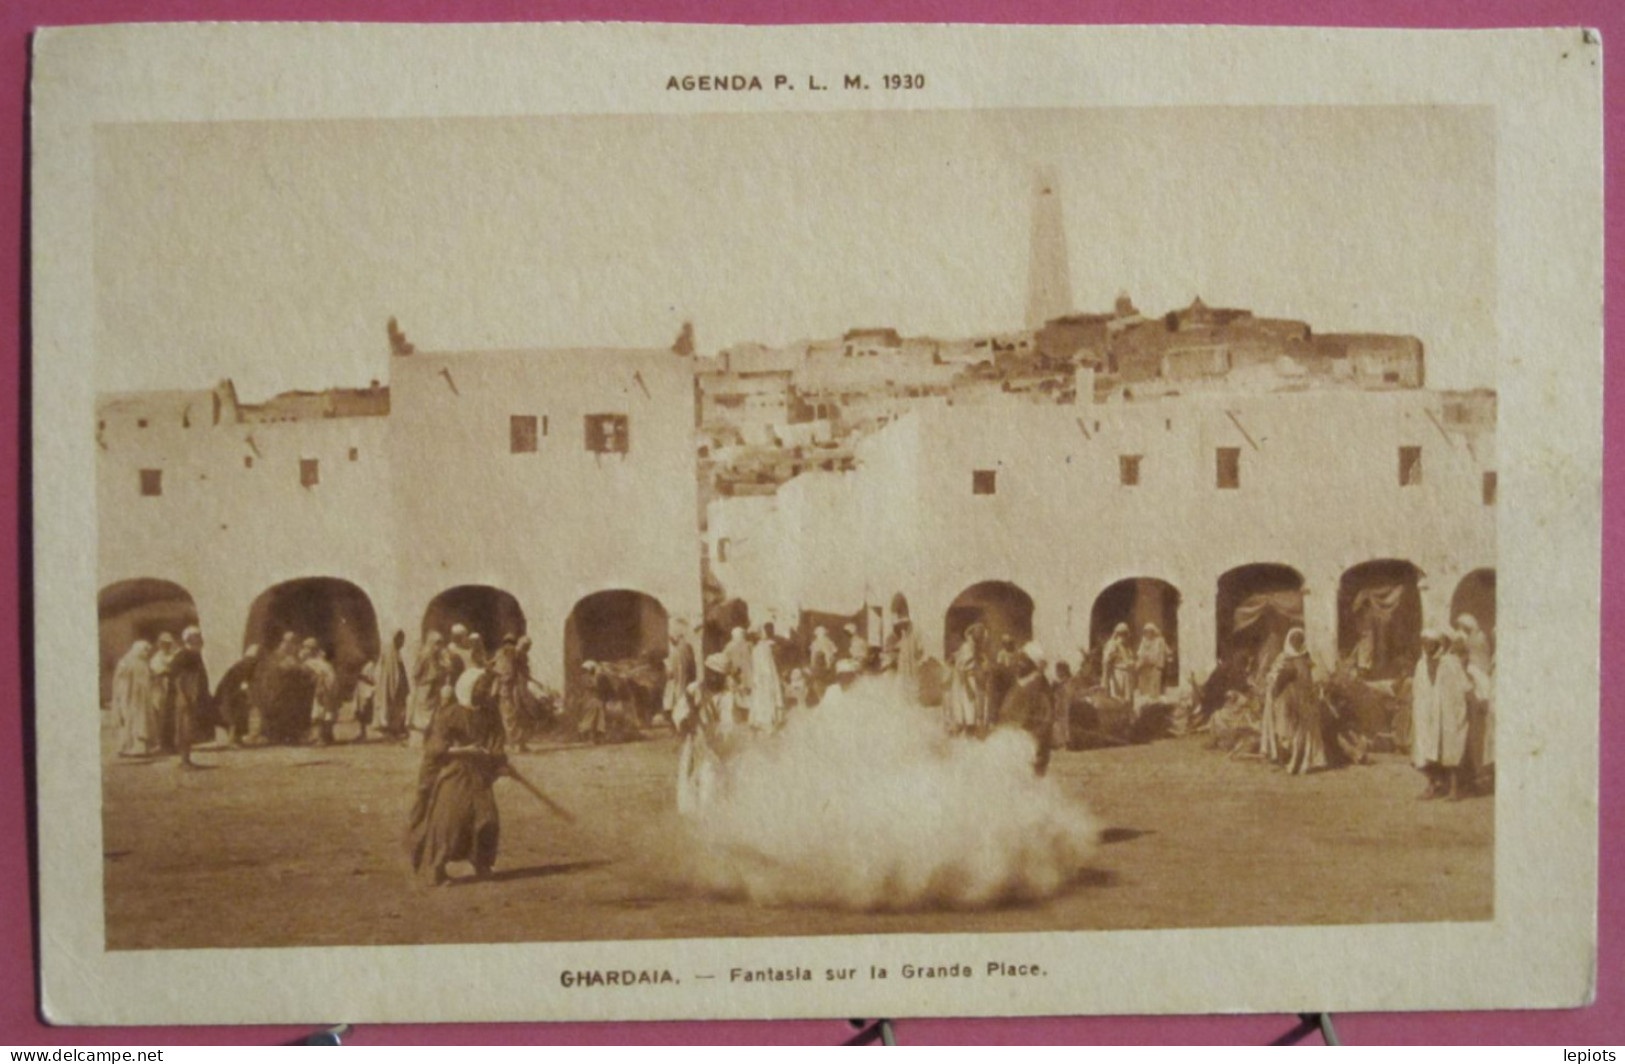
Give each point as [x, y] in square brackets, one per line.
[548, 493]
[1058, 521]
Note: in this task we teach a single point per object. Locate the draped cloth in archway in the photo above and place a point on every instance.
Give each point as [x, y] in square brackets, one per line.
[1272, 614]
[1373, 610]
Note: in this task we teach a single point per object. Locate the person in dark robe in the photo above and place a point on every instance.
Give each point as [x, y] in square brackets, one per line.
[190, 697]
[906, 654]
[430, 675]
[510, 691]
[455, 815]
[599, 702]
[1063, 695]
[1028, 705]
[389, 698]
[283, 689]
[233, 697]
[540, 703]
[1000, 672]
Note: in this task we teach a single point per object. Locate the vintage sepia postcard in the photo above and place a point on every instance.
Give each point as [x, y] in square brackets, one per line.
[612, 522]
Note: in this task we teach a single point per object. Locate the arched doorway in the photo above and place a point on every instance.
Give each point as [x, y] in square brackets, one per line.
[138, 609]
[1004, 609]
[1256, 605]
[1137, 602]
[620, 628]
[1379, 618]
[1476, 595]
[490, 611]
[335, 613]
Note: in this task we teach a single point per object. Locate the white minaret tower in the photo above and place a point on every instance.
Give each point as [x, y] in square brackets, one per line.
[1049, 281]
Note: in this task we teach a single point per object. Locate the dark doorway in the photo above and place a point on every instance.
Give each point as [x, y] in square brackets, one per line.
[1001, 607]
[1475, 595]
[490, 611]
[619, 628]
[1137, 602]
[1379, 618]
[336, 613]
[1257, 605]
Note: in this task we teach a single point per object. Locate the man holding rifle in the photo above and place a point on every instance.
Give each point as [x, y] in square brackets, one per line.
[455, 815]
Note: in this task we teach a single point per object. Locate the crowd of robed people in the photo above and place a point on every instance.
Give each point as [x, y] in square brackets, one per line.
[1294, 716]
[758, 682]
[467, 707]
[162, 702]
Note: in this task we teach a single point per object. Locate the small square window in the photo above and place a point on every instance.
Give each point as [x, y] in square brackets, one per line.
[607, 434]
[248, 461]
[522, 434]
[1489, 488]
[152, 482]
[722, 549]
[141, 424]
[1128, 470]
[355, 454]
[984, 482]
[309, 472]
[1410, 467]
[1229, 467]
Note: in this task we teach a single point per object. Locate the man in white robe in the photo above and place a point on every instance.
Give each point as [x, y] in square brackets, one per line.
[1439, 692]
[766, 690]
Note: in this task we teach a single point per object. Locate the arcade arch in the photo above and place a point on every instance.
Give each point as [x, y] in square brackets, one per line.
[1003, 608]
[490, 611]
[1137, 602]
[1379, 618]
[1475, 594]
[613, 626]
[1256, 606]
[143, 608]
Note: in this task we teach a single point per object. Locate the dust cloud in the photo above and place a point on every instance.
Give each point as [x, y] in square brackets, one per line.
[868, 805]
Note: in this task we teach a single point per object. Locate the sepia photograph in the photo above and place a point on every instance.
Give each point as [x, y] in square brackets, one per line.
[867, 524]
[967, 596]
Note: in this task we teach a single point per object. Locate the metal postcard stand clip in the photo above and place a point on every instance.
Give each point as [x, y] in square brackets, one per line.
[870, 1032]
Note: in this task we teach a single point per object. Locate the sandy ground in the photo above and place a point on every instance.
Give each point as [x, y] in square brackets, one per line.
[302, 846]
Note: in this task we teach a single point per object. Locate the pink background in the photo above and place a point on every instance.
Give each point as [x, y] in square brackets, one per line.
[1603, 1023]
